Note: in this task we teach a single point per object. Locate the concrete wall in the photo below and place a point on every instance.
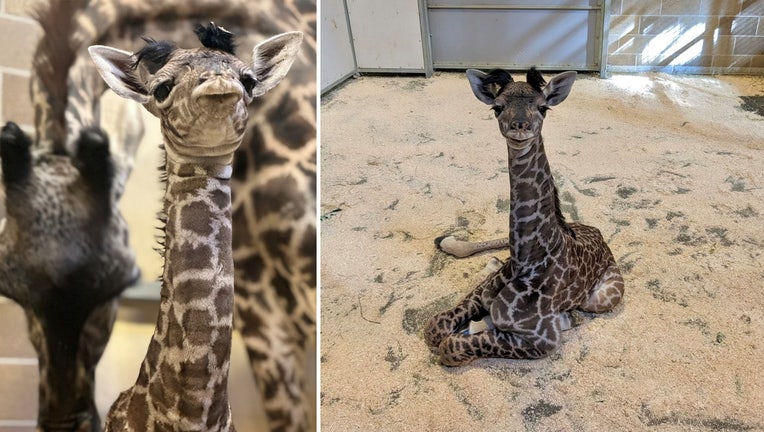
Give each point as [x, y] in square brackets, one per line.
[687, 36]
[18, 38]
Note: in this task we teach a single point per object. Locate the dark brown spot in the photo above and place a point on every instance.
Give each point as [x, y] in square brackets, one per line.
[284, 290]
[139, 409]
[223, 305]
[276, 241]
[288, 126]
[193, 257]
[187, 291]
[253, 325]
[196, 218]
[170, 381]
[174, 336]
[281, 196]
[242, 235]
[197, 325]
[252, 266]
[221, 199]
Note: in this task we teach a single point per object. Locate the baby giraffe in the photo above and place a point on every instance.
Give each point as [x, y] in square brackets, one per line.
[554, 267]
[201, 97]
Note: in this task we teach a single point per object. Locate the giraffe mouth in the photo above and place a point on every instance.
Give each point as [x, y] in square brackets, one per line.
[219, 91]
[520, 136]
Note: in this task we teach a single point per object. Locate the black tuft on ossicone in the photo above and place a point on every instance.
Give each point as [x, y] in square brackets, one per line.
[215, 37]
[15, 154]
[535, 79]
[154, 55]
[497, 78]
[95, 165]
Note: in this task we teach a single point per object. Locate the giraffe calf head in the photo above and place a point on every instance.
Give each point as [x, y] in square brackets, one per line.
[520, 107]
[200, 95]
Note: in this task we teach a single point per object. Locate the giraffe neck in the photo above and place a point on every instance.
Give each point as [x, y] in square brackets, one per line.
[534, 229]
[66, 371]
[67, 375]
[186, 368]
[13, 285]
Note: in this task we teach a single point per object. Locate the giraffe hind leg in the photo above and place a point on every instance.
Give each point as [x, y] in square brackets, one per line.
[607, 293]
[462, 249]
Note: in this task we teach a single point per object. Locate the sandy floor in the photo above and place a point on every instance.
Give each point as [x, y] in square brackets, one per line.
[668, 167]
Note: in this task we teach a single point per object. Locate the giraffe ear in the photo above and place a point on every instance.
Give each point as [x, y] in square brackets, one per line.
[559, 87]
[117, 69]
[486, 86]
[272, 59]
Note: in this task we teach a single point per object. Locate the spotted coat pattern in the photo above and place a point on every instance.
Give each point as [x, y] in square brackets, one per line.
[200, 96]
[273, 182]
[554, 267]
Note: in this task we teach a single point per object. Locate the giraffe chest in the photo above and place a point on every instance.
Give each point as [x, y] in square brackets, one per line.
[544, 282]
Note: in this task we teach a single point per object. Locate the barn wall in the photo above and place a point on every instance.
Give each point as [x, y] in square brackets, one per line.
[687, 36]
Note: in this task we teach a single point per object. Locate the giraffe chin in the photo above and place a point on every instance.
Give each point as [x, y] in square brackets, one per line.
[222, 154]
[520, 145]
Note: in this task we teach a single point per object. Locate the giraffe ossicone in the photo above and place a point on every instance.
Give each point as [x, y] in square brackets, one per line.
[555, 268]
[201, 97]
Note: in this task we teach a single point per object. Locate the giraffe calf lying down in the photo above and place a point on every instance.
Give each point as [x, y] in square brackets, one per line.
[554, 268]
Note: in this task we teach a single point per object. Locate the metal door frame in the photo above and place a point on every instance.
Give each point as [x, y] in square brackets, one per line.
[600, 31]
[354, 71]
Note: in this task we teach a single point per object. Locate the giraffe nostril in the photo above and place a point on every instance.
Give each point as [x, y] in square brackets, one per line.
[518, 125]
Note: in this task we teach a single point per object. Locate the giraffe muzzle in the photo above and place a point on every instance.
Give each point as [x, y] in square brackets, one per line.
[219, 89]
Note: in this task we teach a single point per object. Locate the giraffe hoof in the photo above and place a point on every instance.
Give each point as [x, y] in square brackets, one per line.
[455, 352]
[454, 247]
[95, 160]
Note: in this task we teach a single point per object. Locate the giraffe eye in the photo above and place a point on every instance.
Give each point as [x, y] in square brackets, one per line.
[497, 110]
[249, 82]
[162, 91]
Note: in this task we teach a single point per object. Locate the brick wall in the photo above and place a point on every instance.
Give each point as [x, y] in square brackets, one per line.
[18, 38]
[687, 36]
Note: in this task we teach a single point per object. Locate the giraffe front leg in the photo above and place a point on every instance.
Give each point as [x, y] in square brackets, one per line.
[607, 292]
[473, 307]
[447, 323]
[461, 349]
